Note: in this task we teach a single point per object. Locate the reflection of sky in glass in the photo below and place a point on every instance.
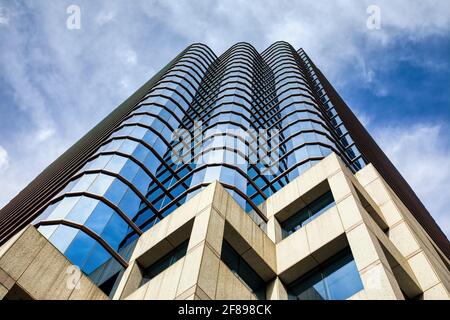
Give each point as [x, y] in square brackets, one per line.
[250, 92]
[337, 280]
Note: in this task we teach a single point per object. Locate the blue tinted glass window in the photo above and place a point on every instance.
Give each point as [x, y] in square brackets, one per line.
[99, 163]
[101, 184]
[128, 146]
[337, 279]
[79, 249]
[130, 203]
[47, 231]
[62, 237]
[129, 170]
[307, 214]
[82, 210]
[116, 164]
[141, 181]
[84, 182]
[115, 231]
[97, 258]
[164, 263]
[140, 153]
[116, 191]
[63, 208]
[99, 218]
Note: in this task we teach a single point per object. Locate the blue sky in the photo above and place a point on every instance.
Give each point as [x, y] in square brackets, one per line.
[56, 83]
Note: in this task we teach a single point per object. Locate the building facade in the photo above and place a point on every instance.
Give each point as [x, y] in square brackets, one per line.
[243, 176]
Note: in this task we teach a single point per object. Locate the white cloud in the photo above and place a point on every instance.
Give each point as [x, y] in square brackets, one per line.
[44, 134]
[4, 159]
[363, 117]
[105, 17]
[4, 18]
[332, 29]
[422, 155]
[128, 57]
[63, 82]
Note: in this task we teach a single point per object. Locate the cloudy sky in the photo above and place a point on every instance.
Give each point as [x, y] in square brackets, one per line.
[57, 83]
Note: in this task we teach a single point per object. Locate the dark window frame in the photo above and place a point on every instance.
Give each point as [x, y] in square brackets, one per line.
[165, 262]
[341, 259]
[243, 270]
[307, 214]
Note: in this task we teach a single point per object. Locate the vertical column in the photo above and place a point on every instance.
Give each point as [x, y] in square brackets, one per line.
[276, 290]
[408, 237]
[201, 266]
[376, 274]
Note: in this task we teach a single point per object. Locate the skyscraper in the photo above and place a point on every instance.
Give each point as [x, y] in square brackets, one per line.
[313, 209]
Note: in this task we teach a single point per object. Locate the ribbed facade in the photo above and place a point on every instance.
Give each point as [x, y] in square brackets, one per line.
[123, 178]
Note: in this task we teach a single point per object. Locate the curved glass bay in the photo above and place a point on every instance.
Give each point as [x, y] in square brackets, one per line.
[253, 121]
